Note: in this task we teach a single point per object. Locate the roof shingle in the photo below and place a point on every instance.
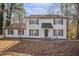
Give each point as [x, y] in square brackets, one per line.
[46, 16]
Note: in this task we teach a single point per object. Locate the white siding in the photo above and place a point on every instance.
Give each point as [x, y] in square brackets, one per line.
[41, 30]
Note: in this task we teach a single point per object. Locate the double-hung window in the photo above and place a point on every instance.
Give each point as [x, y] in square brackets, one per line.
[10, 32]
[58, 21]
[34, 21]
[33, 32]
[58, 32]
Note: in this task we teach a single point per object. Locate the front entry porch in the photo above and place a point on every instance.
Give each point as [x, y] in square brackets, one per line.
[46, 34]
[47, 30]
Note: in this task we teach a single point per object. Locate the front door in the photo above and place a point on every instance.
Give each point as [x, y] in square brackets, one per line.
[46, 33]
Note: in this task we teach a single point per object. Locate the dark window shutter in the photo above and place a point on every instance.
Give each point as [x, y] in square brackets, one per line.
[30, 21]
[37, 32]
[54, 32]
[29, 32]
[59, 32]
[37, 21]
[18, 32]
[62, 32]
[54, 21]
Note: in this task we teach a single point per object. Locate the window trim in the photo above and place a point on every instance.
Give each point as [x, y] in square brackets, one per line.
[10, 32]
[60, 21]
[33, 32]
[33, 21]
[60, 32]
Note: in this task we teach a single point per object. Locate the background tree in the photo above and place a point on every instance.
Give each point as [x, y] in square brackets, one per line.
[13, 11]
[8, 11]
[54, 9]
[69, 10]
[2, 6]
[77, 16]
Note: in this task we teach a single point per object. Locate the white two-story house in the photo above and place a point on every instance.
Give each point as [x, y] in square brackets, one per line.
[39, 26]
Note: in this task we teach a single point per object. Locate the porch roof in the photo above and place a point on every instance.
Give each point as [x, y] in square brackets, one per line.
[47, 25]
[16, 26]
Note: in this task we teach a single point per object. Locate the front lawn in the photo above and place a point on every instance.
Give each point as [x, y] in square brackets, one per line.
[44, 48]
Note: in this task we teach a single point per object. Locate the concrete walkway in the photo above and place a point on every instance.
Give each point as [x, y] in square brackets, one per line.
[5, 44]
[13, 54]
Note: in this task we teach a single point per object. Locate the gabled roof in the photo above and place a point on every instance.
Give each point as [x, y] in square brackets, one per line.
[46, 16]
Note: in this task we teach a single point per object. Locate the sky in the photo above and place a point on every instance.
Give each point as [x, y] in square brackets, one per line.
[42, 8]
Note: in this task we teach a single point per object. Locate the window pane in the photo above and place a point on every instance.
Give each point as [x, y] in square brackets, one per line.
[33, 32]
[61, 32]
[58, 32]
[10, 32]
[58, 21]
[33, 21]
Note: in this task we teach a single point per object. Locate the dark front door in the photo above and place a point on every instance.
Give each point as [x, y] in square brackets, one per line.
[46, 33]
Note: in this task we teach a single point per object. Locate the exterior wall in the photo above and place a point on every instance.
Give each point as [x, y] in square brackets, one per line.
[56, 26]
[28, 26]
[41, 30]
[64, 26]
[50, 30]
[15, 34]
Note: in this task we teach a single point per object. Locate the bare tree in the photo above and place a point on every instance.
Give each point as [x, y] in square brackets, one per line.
[69, 10]
[52, 8]
[77, 7]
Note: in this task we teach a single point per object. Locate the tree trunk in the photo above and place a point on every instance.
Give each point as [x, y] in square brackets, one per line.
[1, 18]
[9, 14]
[78, 22]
